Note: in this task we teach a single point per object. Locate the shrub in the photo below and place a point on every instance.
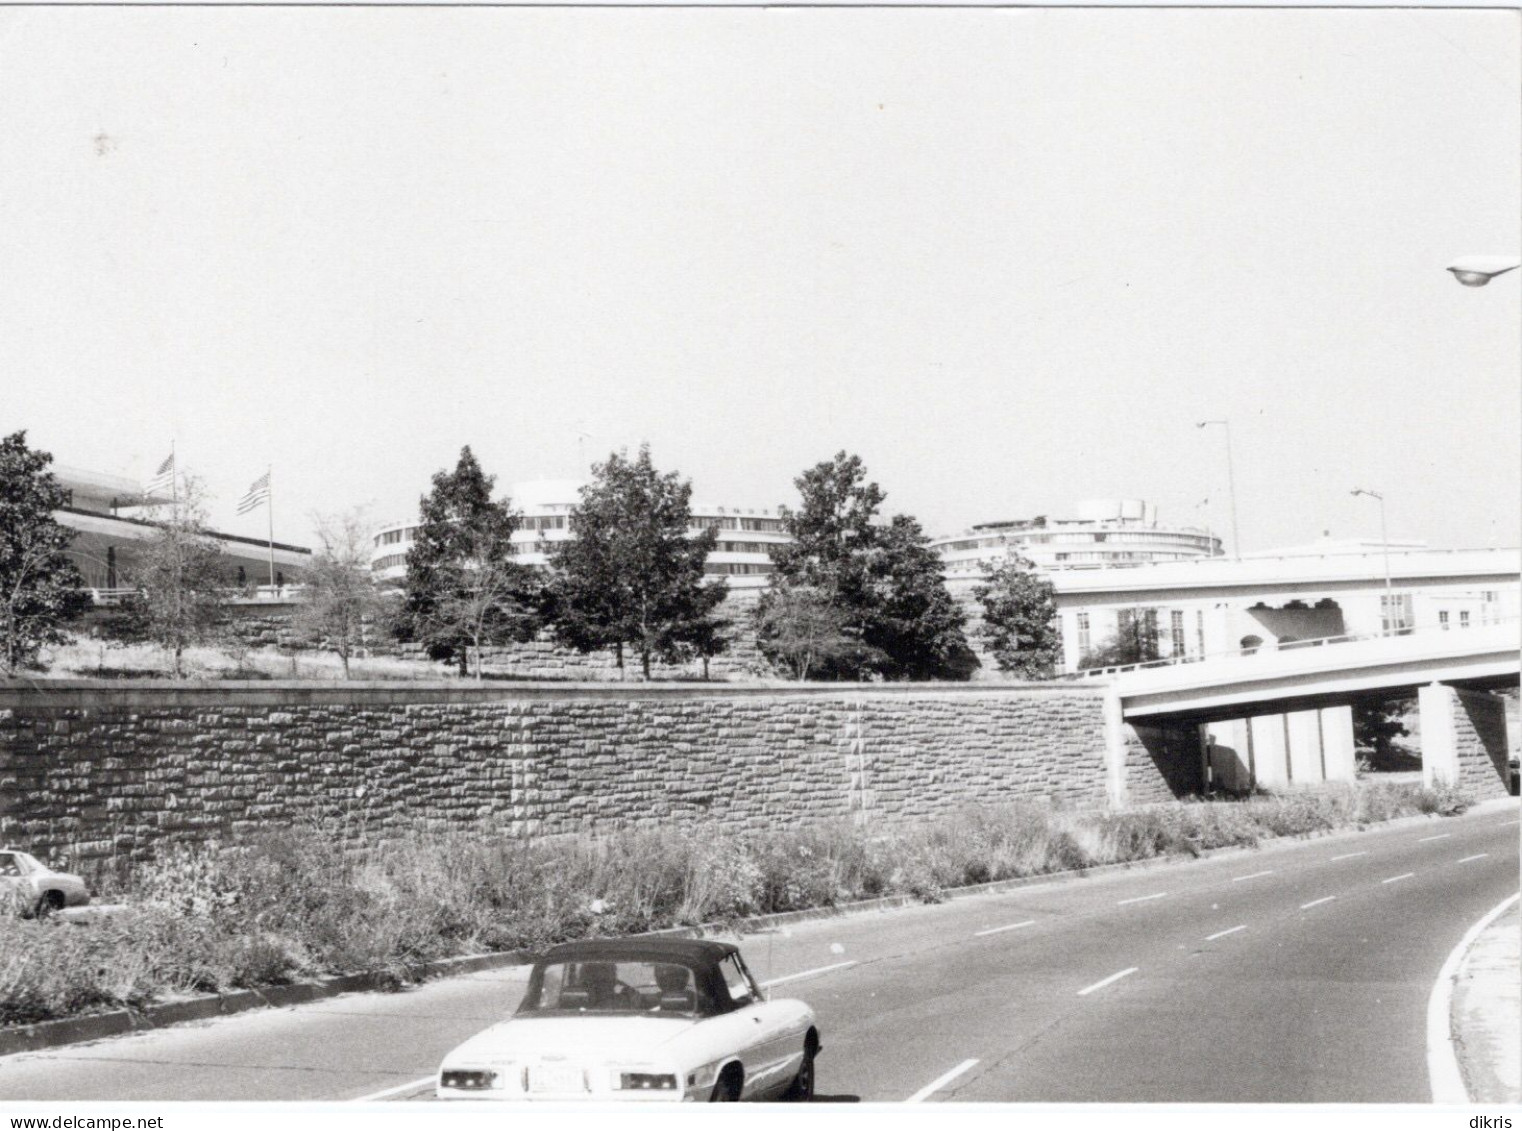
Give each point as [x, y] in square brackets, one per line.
[295, 903]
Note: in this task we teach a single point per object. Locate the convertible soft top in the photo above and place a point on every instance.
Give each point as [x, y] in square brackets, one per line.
[695, 952]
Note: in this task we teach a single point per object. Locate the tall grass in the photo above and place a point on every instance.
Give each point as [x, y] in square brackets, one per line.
[294, 903]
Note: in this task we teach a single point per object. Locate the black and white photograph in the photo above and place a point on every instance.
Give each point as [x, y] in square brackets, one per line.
[587, 559]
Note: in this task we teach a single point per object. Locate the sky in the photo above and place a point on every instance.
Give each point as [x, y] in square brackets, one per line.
[1010, 258]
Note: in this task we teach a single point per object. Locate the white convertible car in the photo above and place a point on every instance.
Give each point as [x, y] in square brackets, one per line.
[640, 1019]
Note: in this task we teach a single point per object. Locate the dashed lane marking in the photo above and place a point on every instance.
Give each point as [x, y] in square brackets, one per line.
[1223, 934]
[1402, 876]
[1440, 836]
[940, 1082]
[1105, 982]
[394, 1091]
[1476, 856]
[1254, 876]
[807, 973]
[1141, 899]
[1349, 855]
[996, 930]
[1316, 902]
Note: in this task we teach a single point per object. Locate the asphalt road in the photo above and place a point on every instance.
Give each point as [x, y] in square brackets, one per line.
[1299, 972]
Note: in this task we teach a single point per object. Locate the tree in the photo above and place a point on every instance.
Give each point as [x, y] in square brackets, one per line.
[40, 587]
[463, 589]
[799, 628]
[340, 600]
[632, 575]
[1376, 726]
[1134, 642]
[179, 578]
[884, 581]
[1020, 619]
[913, 623]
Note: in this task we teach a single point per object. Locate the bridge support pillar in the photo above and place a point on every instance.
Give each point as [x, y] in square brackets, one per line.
[1464, 741]
[1440, 757]
[1270, 751]
[1275, 751]
[1339, 758]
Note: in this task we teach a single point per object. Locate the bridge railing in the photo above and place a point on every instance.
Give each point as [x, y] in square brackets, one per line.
[1273, 648]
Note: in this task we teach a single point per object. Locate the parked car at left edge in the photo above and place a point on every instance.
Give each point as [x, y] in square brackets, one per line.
[34, 888]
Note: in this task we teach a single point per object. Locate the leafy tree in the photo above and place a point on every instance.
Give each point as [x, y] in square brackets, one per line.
[1376, 726]
[39, 586]
[913, 623]
[1020, 619]
[884, 581]
[341, 602]
[799, 628]
[179, 578]
[1134, 642]
[632, 577]
[463, 589]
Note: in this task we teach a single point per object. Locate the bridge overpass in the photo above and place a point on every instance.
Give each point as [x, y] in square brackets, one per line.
[1283, 717]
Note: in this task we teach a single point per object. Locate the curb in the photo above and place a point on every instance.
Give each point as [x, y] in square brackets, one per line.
[1444, 1072]
[76, 1030]
[97, 1026]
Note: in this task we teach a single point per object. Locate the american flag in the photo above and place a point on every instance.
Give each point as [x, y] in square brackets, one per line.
[258, 492]
[163, 478]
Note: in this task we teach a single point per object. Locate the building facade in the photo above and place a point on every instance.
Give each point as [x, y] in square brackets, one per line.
[111, 517]
[1100, 534]
[747, 537]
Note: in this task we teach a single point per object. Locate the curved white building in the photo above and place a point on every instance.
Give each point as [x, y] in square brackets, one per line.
[1101, 533]
[746, 536]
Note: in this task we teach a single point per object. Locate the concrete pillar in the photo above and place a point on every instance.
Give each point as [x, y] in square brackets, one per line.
[1440, 753]
[1338, 754]
[1270, 753]
[1115, 749]
[1228, 748]
[1304, 731]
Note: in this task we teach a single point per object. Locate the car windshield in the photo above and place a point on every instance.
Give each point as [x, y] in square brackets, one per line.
[640, 987]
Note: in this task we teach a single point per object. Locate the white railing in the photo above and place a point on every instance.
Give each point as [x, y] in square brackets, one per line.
[1271, 647]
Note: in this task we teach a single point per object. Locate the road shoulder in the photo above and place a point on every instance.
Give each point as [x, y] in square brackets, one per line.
[1487, 1012]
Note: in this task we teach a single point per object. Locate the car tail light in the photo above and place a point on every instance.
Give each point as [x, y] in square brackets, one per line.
[646, 1082]
[468, 1079]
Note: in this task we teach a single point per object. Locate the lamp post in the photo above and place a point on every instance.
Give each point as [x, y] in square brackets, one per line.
[1384, 541]
[1231, 486]
[1477, 270]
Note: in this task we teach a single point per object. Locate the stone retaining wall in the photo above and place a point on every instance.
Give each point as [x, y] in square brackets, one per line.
[94, 769]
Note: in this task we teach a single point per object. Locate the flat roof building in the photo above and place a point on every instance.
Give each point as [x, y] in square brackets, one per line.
[747, 536]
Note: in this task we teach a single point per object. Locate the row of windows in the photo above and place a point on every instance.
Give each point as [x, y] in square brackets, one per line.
[731, 568]
[542, 522]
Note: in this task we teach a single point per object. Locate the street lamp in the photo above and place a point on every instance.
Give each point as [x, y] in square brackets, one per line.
[1231, 486]
[1384, 540]
[1477, 270]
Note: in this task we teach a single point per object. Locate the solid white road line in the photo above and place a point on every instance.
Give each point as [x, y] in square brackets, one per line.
[1402, 876]
[1442, 1060]
[1107, 981]
[1349, 855]
[940, 1082]
[1141, 899]
[1440, 836]
[1315, 902]
[394, 1091]
[1254, 876]
[807, 974]
[1223, 934]
[1476, 856]
[996, 930]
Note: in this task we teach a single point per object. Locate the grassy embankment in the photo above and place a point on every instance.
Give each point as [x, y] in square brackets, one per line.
[293, 905]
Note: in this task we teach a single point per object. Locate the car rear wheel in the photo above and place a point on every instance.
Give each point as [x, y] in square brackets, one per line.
[727, 1090]
[51, 901]
[802, 1088]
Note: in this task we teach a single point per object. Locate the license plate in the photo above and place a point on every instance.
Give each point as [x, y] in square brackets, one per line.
[556, 1078]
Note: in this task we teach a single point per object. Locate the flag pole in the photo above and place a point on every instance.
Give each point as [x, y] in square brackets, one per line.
[269, 503]
[174, 482]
